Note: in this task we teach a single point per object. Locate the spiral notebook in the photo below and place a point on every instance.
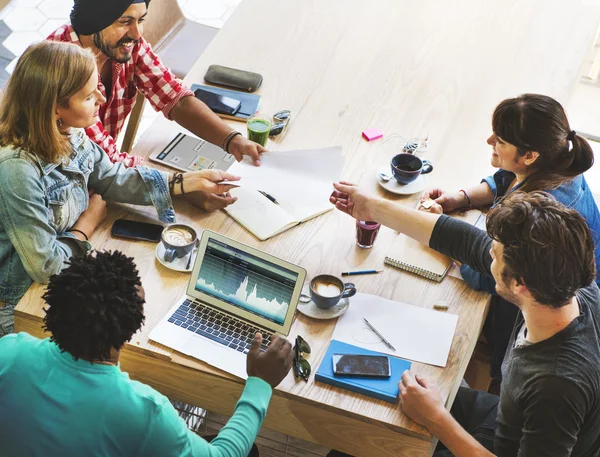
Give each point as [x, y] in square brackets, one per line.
[414, 257]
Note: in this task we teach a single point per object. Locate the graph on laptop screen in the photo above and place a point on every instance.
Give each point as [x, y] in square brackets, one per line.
[246, 281]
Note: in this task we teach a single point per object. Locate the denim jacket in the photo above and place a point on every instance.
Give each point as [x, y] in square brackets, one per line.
[40, 202]
[574, 193]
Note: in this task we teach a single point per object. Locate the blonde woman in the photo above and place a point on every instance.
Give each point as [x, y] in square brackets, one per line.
[54, 181]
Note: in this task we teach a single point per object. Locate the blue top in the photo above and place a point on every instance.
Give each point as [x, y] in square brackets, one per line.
[54, 406]
[40, 202]
[574, 193]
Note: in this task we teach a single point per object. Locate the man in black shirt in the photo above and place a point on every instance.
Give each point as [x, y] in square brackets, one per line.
[541, 255]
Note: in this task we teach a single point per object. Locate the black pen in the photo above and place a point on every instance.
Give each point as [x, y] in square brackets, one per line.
[269, 197]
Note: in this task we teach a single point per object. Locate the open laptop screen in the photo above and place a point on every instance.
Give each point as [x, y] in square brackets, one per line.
[246, 281]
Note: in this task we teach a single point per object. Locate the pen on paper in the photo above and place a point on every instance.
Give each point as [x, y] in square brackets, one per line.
[270, 197]
[361, 272]
[386, 342]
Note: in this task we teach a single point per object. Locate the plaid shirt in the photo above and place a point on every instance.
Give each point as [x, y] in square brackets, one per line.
[144, 72]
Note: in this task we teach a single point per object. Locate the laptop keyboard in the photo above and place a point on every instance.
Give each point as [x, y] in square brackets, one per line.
[217, 326]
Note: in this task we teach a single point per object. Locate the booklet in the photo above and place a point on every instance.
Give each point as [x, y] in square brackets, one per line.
[414, 257]
[288, 188]
[382, 388]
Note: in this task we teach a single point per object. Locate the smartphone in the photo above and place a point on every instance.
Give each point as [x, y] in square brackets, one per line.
[376, 366]
[218, 103]
[137, 230]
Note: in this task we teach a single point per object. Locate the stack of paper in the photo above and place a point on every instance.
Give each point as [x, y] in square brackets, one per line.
[300, 182]
[418, 334]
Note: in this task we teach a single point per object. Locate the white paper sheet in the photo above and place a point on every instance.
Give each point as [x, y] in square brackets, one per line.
[300, 181]
[418, 334]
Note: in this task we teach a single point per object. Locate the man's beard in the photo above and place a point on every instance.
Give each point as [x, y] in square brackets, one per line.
[110, 51]
[503, 291]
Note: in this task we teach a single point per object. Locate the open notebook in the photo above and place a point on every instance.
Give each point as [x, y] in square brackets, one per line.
[300, 182]
[414, 257]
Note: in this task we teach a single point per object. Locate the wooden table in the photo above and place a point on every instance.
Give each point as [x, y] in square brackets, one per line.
[342, 66]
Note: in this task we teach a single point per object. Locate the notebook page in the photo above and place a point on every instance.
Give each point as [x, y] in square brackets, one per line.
[300, 181]
[258, 214]
[406, 251]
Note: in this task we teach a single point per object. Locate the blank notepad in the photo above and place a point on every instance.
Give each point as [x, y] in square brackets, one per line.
[414, 257]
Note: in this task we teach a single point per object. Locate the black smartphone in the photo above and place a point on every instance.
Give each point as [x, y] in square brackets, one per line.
[137, 230]
[376, 366]
[218, 103]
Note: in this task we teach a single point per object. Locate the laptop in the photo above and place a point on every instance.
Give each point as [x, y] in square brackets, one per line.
[234, 292]
[188, 153]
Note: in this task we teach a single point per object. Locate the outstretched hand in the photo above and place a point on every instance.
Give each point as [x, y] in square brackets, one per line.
[241, 147]
[443, 202]
[209, 202]
[352, 200]
[207, 181]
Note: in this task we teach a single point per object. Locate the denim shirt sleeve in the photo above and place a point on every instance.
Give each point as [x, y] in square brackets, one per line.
[477, 280]
[138, 186]
[490, 181]
[24, 215]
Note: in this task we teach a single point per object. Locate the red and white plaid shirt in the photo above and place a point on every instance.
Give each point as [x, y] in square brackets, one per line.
[144, 72]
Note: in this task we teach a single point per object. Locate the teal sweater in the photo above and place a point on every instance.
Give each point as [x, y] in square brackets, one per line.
[52, 405]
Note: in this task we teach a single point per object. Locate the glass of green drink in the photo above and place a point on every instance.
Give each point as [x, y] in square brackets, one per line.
[258, 129]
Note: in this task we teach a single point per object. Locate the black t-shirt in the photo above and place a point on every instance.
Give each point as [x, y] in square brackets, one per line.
[550, 400]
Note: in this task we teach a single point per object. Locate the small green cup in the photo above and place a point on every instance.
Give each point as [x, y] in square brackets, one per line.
[258, 129]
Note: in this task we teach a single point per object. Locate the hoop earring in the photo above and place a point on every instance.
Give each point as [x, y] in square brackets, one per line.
[59, 122]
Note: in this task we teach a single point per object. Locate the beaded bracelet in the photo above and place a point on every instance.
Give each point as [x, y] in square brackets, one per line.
[229, 141]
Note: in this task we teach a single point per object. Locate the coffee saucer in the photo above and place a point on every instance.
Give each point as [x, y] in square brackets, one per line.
[393, 186]
[177, 264]
[311, 310]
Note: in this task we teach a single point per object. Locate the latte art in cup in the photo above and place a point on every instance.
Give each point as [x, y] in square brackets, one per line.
[326, 289]
[178, 236]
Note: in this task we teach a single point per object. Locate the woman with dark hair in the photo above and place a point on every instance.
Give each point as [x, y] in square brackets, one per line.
[534, 149]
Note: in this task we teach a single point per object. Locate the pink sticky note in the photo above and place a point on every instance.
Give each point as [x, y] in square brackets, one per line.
[372, 134]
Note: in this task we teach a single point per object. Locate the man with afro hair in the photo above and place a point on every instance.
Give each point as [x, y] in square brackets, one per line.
[66, 395]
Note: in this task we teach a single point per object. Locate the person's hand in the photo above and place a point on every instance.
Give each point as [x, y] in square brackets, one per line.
[93, 216]
[206, 181]
[272, 365]
[209, 202]
[352, 200]
[240, 147]
[420, 399]
[444, 202]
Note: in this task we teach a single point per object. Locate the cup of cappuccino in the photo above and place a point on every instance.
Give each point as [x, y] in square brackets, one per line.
[327, 290]
[179, 240]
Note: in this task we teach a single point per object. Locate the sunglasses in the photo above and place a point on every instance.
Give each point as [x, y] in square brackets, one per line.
[280, 121]
[301, 365]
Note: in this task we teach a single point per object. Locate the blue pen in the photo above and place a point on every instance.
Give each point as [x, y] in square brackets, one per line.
[361, 272]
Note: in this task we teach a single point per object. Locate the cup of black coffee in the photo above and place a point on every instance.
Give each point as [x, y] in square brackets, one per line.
[408, 167]
[178, 240]
[327, 290]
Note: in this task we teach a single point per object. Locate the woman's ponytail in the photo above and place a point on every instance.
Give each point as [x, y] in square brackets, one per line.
[583, 156]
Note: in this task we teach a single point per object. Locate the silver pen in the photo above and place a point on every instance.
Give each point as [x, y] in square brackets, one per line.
[386, 342]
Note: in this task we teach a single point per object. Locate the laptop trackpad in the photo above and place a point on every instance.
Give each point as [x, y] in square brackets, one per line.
[217, 355]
